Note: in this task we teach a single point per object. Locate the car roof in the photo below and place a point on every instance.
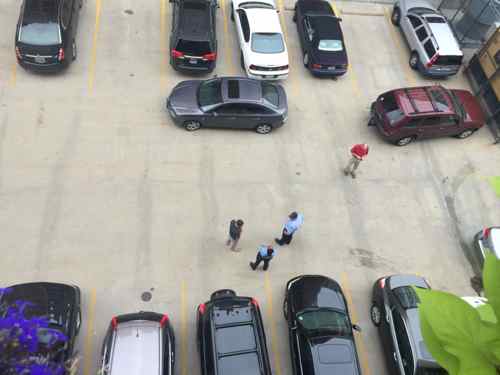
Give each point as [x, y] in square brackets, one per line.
[426, 99]
[326, 26]
[241, 90]
[263, 20]
[194, 20]
[316, 6]
[445, 39]
[136, 348]
[40, 11]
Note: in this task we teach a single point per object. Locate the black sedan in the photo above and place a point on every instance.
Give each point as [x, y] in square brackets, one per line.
[321, 38]
[320, 329]
[229, 102]
[46, 32]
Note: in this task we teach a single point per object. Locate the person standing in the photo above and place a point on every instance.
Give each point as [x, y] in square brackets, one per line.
[294, 222]
[235, 229]
[358, 153]
[265, 254]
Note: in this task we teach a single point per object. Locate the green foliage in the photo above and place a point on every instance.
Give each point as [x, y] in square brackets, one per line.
[460, 339]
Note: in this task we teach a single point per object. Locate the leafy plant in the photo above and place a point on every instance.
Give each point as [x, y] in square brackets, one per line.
[28, 346]
[462, 339]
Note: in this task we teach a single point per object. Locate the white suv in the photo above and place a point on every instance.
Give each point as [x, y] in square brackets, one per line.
[263, 48]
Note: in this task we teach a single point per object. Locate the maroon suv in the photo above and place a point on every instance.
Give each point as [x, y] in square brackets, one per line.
[406, 114]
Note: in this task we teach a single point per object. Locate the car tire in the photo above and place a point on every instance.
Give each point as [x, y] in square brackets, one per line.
[264, 128]
[396, 16]
[232, 12]
[414, 60]
[192, 125]
[372, 122]
[73, 50]
[375, 314]
[242, 60]
[306, 59]
[465, 134]
[294, 19]
[285, 309]
[404, 141]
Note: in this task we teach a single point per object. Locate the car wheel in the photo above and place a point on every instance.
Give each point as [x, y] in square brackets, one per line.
[375, 314]
[371, 121]
[306, 59]
[396, 16]
[192, 125]
[264, 129]
[73, 50]
[414, 60]
[81, 4]
[285, 309]
[404, 141]
[465, 134]
[242, 61]
[232, 12]
[294, 19]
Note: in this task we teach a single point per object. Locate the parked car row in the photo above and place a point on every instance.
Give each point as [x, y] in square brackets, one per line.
[46, 37]
[230, 331]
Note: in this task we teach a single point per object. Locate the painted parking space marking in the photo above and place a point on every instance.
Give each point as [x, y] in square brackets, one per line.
[87, 346]
[93, 54]
[274, 343]
[163, 45]
[13, 75]
[227, 49]
[359, 338]
[184, 330]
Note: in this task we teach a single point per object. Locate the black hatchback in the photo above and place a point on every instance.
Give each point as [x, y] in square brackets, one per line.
[319, 327]
[230, 336]
[193, 42]
[394, 311]
[46, 31]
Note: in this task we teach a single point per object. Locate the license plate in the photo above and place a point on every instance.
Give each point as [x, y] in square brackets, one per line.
[331, 68]
[40, 59]
[193, 61]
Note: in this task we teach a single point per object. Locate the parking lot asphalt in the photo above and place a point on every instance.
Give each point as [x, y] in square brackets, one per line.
[100, 189]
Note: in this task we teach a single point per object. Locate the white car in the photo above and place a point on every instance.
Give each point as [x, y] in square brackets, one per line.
[263, 48]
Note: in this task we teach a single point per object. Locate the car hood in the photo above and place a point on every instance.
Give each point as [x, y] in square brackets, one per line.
[472, 107]
[183, 98]
[333, 355]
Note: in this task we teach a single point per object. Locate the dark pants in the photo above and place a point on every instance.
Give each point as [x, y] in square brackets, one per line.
[285, 238]
[259, 258]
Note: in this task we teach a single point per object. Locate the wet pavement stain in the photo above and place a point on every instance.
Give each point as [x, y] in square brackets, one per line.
[146, 296]
[128, 11]
[367, 258]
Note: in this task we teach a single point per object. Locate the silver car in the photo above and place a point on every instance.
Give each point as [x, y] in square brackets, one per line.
[434, 49]
[487, 240]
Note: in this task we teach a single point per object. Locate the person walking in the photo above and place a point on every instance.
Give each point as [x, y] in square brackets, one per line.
[265, 254]
[294, 222]
[235, 229]
[358, 153]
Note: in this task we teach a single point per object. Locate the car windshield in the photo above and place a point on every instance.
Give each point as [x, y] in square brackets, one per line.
[267, 43]
[391, 108]
[209, 93]
[330, 45]
[270, 93]
[40, 34]
[323, 319]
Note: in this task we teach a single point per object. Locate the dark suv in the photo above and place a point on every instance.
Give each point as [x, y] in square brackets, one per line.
[45, 36]
[394, 311]
[193, 43]
[230, 335]
[406, 114]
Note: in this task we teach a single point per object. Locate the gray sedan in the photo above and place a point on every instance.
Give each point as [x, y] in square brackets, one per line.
[228, 102]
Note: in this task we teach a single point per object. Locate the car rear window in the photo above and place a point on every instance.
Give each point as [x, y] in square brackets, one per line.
[449, 60]
[209, 93]
[330, 45]
[407, 297]
[193, 48]
[267, 43]
[40, 34]
[270, 93]
[435, 19]
[235, 339]
[391, 108]
[243, 364]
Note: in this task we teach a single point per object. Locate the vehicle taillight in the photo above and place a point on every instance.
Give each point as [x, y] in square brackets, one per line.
[210, 56]
[254, 302]
[114, 322]
[486, 233]
[177, 54]
[316, 66]
[18, 53]
[381, 283]
[432, 61]
[164, 320]
[60, 56]
[201, 308]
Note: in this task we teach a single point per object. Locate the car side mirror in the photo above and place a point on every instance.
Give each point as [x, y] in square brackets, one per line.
[356, 327]
[340, 19]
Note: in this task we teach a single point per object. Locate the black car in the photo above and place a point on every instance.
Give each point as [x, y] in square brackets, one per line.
[46, 31]
[394, 311]
[230, 336]
[229, 102]
[321, 38]
[193, 42]
[59, 304]
[319, 327]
